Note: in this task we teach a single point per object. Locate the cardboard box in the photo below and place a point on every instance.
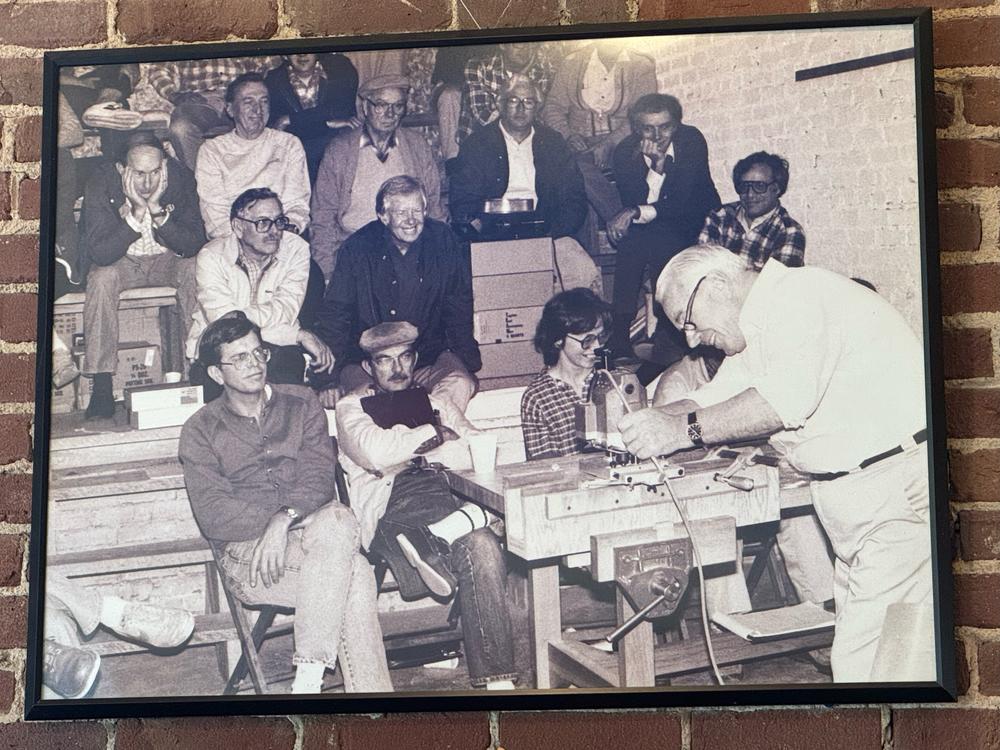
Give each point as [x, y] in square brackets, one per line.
[162, 396]
[506, 326]
[515, 290]
[173, 416]
[506, 257]
[138, 364]
[502, 360]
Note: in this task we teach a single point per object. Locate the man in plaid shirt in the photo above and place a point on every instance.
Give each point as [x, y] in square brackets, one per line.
[757, 227]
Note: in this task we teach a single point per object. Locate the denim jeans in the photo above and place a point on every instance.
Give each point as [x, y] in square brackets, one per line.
[330, 584]
[476, 560]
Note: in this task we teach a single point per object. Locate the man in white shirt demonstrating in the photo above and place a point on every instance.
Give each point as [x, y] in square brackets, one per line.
[834, 377]
[251, 156]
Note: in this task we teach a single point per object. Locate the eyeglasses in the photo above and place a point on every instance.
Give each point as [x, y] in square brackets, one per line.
[517, 101]
[382, 108]
[406, 359]
[688, 326]
[244, 360]
[263, 226]
[588, 341]
[758, 186]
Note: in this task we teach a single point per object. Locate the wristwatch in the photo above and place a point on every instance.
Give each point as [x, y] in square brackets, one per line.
[292, 514]
[694, 429]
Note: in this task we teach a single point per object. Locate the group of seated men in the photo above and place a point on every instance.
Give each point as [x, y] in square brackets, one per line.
[247, 235]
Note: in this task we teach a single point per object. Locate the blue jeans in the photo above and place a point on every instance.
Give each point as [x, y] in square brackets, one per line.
[476, 560]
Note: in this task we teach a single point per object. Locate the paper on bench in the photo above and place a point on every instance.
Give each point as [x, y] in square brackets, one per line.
[776, 623]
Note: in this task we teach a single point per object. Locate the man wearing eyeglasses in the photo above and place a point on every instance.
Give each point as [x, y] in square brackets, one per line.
[833, 376]
[259, 472]
[262, 269]
[757, 227]
[408, 515]
[358, 162]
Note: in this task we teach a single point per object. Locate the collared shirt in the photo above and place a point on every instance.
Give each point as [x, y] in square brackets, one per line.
[774, 235]
[307, 87]
[239, 471]
[647, 211]
[548, 417]
[836, 362]
[408, 278]
[521, 163]
[146, 244]
[194, 76]
[382, 152]
[485, 79]
[603, 88]
[254, 270]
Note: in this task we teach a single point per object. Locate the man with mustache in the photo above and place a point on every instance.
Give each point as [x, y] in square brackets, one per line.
[252, 155]
[408, 514]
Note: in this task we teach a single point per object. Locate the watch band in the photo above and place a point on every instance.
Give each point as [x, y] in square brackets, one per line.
[694, 429]
[293, 514]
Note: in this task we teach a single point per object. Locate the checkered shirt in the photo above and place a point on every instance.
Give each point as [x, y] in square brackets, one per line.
[548, 419]
[254, 272]
[191, 76]
[779, 237]
[484, 80]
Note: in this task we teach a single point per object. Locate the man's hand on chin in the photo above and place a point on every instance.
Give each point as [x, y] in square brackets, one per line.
[268, 559]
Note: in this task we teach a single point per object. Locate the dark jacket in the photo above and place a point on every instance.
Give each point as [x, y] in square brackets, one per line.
[334, 101]
[105, 236]
[687, 195]
[483, 170]
[363, 293]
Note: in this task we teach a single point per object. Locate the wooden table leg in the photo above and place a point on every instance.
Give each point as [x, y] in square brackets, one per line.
[635, 650]
[546, 618]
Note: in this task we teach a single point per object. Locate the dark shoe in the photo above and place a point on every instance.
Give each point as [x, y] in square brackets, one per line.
[420, 551]
[69, 671]
[102, 398]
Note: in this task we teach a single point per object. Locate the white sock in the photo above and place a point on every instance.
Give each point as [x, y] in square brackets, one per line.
[112, 611]
[469, 518]
[500, 685]
[308, 678]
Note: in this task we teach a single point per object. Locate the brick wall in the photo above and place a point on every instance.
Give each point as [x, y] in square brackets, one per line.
[967, 34]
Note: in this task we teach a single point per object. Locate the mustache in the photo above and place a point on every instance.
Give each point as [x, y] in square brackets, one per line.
[398, 378]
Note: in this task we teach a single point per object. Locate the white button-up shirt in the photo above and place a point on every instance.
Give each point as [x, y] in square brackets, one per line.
[521, 160]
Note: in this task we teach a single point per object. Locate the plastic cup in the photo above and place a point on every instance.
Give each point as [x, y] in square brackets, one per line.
[484, 453]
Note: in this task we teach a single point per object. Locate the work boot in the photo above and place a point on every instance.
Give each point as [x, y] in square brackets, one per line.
[102, 398]
[422, 551]
[162, 627]
[67, 670]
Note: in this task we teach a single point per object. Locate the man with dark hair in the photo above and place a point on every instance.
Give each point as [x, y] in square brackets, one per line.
[757, 227]
[662, 173]
[139, 226]
[259, 471]
[407, 512]
[573, 325]
[251, 155]
[405, 266]
[261, 269]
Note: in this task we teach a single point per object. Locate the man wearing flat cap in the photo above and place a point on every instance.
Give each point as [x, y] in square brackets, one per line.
[390, 435]
[357, 162]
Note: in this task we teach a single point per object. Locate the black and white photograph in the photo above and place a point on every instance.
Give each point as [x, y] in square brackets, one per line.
[534, 368]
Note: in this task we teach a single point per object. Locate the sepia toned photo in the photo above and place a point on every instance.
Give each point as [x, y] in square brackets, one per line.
[538, 369]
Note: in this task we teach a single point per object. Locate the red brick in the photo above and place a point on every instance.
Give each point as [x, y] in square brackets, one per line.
[17, 377]
[961, 668]
[29, 199]
[944, 109]
[977, 600]
[979, 534]
[318, 17]
[11, 558]
[28, 140]
[653, 10]
[18, 258]
[596, 11]
[21, 80]
[825, 5]
[967, 41]
[970, 288]
[13, 625]
[972, 412]
[960, 226]
[945, 728]
[63, 735]
[53, 24]
[15, 498]
[969, 163]
[5, 202]
[968, 353]
[496, 13]
[17, 316]
[975, 476]
[156, 22]
[717, 730]
[462, 731]
[589, 731]
[981, 101]
[15, 438]
[231, 731]
[989, 668]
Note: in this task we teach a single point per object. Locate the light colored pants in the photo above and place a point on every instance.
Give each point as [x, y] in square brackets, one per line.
[574, 268]
[332, 588]
[447, 378]
[878, 521]
[449, 107]
[70, 610]
[104, 287]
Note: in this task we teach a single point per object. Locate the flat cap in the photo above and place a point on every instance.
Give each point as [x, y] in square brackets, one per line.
[384, 335]
[378, 83]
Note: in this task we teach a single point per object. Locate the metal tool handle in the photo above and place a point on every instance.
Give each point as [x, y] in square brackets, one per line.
[634, 620]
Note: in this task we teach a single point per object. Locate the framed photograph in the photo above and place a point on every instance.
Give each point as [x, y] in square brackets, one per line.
[585, 367]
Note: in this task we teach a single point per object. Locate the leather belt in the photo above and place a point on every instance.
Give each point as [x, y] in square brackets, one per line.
[918, 437]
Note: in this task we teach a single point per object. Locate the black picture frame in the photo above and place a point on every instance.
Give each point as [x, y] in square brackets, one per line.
[927, 305]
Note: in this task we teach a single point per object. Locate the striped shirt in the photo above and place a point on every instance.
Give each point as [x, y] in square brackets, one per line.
[548, 419]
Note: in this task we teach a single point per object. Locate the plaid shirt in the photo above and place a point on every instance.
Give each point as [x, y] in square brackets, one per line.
[484, 80]
[778, 236]
[307, 87]
[548, 418]
[254, 271]
[193, 76]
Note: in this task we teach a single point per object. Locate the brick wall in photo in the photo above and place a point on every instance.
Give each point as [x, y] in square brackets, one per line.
[967, 54]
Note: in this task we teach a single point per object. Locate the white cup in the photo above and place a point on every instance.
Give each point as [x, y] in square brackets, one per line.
[484, 452]
[171, 377]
